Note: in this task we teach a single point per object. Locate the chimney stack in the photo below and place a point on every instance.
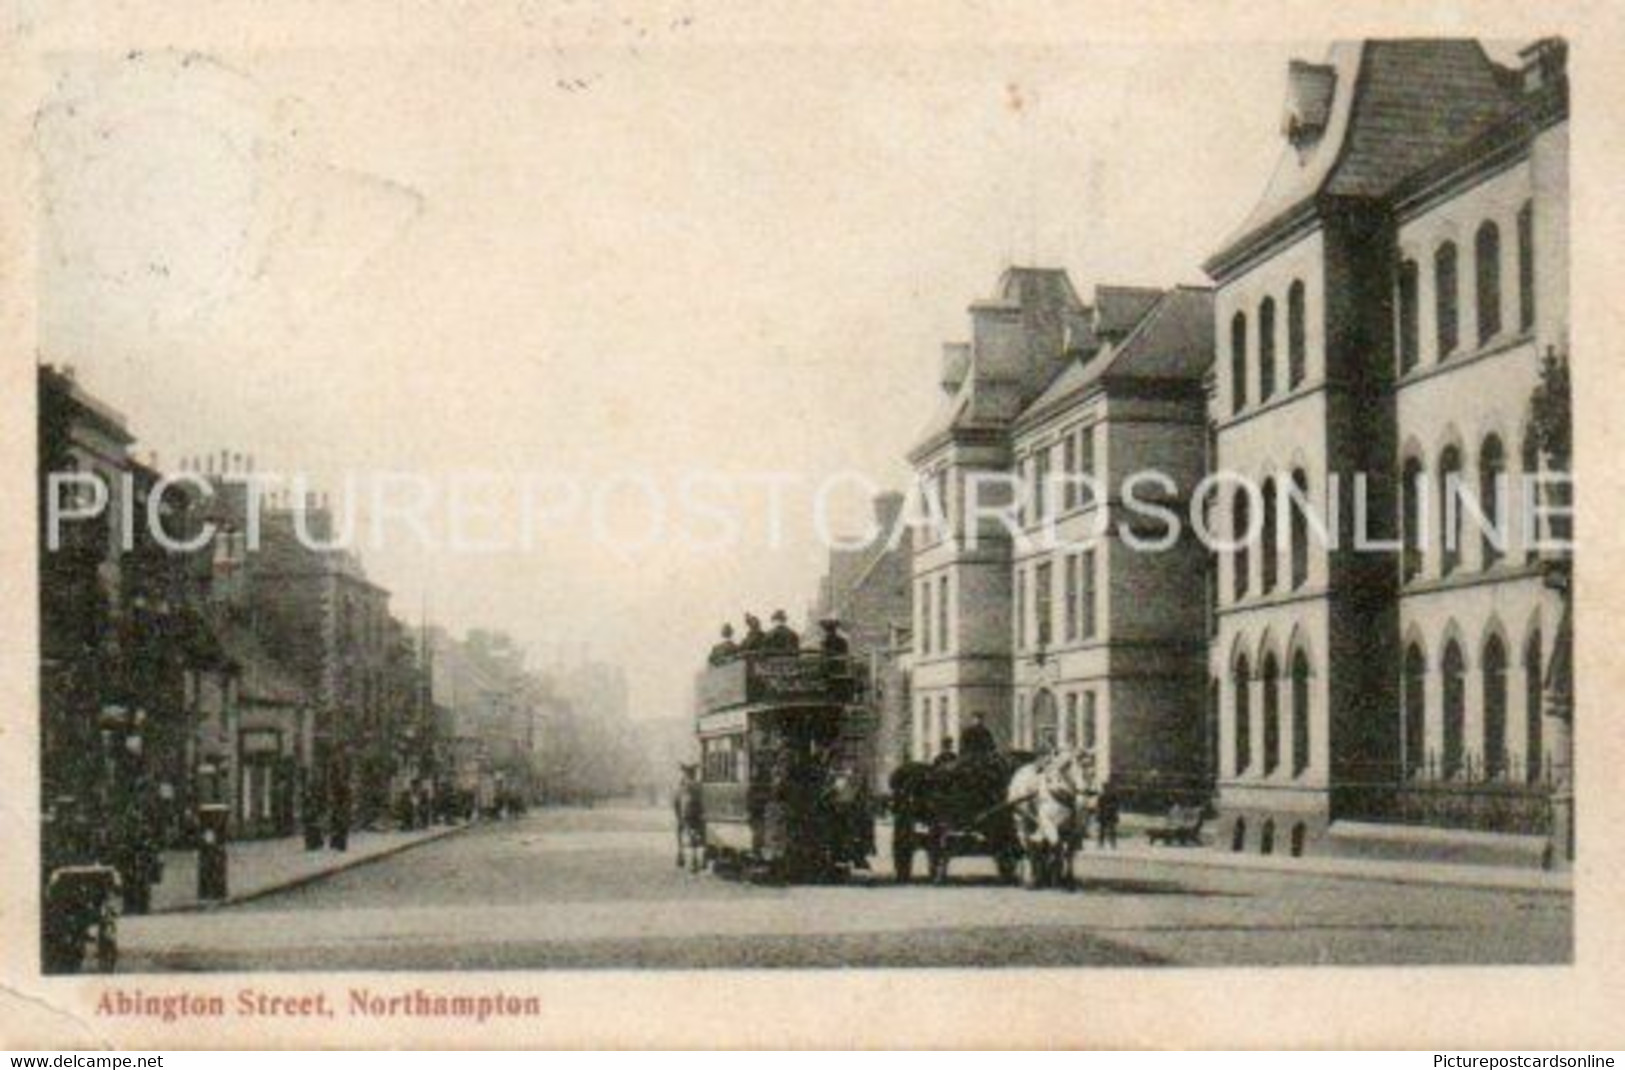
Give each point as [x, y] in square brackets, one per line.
[955, 366]
[1309, 91]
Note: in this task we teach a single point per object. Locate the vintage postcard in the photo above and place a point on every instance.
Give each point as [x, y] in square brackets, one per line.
[655, 523]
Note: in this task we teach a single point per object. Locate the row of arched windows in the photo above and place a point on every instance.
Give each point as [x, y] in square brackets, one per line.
[1295, 491]
[1296, 343]
[1447, 291]
[1271, 685]
[1452, 502]
[1434, 743]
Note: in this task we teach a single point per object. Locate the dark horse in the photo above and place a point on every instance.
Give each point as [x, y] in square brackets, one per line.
[689, 809]
[954, 809]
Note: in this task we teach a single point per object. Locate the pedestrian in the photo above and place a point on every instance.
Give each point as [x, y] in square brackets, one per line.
[1107, 806]
[310, 811]
[135, 830]
[338, 833]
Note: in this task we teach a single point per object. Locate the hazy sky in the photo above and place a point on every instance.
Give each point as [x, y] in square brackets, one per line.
[658, 257]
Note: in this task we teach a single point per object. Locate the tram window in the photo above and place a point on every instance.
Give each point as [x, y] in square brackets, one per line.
[720, 760]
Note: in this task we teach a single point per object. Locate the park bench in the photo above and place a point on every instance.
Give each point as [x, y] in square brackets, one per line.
[1182, 827]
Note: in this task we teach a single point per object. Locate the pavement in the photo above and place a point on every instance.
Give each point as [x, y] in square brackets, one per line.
[598, 888]
[1369, 869]
[256, 868]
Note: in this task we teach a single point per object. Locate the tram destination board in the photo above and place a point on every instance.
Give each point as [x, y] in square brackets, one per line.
[773, 678]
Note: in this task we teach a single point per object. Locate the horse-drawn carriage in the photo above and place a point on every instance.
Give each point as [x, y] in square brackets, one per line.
[80, 895]
[780, 789]
[1013, 807]
[955, 809]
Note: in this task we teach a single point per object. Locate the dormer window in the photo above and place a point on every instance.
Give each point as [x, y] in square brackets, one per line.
[1310, 88]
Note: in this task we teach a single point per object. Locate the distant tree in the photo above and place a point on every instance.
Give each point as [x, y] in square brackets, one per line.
[1553, 411]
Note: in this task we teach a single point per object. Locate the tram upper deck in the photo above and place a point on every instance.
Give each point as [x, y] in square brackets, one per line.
[759, 682]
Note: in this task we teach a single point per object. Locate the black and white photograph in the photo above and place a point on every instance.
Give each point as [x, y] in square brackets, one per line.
[562, 492]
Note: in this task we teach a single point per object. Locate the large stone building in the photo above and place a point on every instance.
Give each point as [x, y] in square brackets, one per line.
[127, 657]
[1073, 635]
[333, 688]
[1385, 311]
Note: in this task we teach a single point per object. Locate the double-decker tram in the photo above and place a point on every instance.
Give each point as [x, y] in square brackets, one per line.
[785, 755]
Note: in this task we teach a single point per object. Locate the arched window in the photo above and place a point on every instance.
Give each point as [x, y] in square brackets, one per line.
[1449, 510]
[1529, 463]
[1300, 713]
[1296, 343]
[1414, 730]
[1445, 299]
[1413, 492]
[1046, 719]
[1299, 535]
[1266, 349]
[1494, 671]
[1492, 470]
[1272, 714]
[1269, 546]
[1409, 317]
[1534, 759]
[1238, 362]
[1455, 709]
[1526, 266]
[1243, 711]
[1241, 536]
[1487, 264]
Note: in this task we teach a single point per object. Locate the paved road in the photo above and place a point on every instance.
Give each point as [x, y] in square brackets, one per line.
[598, 889]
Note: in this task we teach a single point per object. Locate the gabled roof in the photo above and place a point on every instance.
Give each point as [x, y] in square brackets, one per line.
[1172, 341]
[1397, 105]
[1118, 308]
[948, 415]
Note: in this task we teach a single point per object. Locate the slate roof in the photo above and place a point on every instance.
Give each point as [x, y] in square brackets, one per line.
[1398, 105]
[1173, 340]
[1118, 308]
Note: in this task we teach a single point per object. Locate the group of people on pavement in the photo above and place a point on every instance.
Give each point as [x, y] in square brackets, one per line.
[780, 639]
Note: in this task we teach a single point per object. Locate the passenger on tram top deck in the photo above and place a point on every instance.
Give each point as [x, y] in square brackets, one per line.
[834, 644]
[782, 638]
[755, 639]
[726, 650]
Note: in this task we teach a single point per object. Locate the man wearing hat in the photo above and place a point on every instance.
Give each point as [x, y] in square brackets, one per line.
[834, 644]
[727, 649]
[781, 638]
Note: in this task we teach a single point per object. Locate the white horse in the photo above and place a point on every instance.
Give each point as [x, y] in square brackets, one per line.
[1051, 799]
